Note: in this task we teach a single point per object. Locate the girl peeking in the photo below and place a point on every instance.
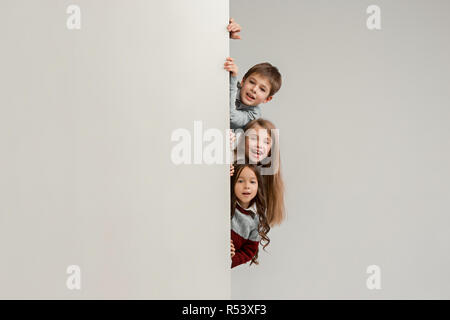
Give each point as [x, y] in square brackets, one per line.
[249, 225]
[261, 147]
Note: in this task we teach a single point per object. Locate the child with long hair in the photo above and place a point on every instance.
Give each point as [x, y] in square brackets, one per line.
[260, 146]
[249, 225]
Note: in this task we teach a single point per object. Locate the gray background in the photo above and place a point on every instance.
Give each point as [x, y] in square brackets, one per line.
[86, 119]
[364, 127]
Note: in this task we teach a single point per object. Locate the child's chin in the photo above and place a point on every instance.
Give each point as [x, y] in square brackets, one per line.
[248, 102]
[253, 160]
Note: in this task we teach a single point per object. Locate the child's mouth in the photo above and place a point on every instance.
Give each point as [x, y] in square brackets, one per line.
[257, 153]
[246, 194]
[249, 97]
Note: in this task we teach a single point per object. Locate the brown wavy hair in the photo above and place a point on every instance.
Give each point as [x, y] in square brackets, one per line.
[259, 199]
[273, 184]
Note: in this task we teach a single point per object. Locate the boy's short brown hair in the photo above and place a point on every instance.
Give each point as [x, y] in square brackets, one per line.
[269, 71]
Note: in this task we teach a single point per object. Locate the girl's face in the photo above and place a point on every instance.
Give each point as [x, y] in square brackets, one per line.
[246, 187]
[258, 144]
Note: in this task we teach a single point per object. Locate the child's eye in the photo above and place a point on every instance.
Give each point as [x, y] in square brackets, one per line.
[263, 90]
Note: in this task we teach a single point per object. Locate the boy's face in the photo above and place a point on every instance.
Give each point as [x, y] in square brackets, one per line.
[255, 90]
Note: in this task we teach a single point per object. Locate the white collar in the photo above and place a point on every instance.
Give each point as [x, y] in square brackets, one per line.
[250, 208]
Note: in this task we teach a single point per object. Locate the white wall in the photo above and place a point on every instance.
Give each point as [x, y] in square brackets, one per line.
[86, 118]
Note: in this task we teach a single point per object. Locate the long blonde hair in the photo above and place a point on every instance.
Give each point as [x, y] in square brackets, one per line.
[273, 183]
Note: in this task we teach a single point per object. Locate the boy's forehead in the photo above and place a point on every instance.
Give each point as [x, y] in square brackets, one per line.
[260, 78]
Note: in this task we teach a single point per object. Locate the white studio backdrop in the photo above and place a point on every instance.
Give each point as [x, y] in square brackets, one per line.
[86, 117]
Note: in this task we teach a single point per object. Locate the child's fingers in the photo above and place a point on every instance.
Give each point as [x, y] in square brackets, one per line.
[232, 26]
[235, 28]
[231, 68]
[233, 250]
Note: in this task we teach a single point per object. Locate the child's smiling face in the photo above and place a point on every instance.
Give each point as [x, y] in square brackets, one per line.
[255, 90]
[258, 144]
[246, 187]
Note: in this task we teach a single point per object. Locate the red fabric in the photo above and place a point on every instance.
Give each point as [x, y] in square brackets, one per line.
[244, 211]
[245, 249]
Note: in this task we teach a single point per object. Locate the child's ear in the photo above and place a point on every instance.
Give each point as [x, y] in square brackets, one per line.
[268, 99]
